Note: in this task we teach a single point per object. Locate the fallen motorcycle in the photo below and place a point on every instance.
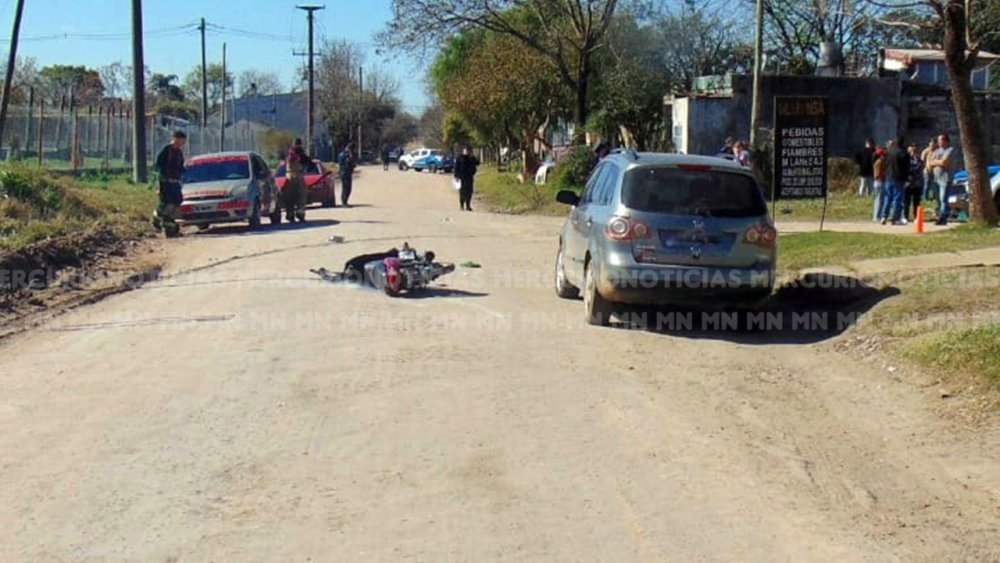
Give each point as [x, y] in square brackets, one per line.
[393, 272]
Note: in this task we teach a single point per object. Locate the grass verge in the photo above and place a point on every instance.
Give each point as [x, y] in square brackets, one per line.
[35, 205]
[803, 250]
[971, 351]
[501, 192]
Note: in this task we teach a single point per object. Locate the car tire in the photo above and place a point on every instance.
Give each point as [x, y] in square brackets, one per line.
[564, 289]
[597, 309]
[254, 219]
[403, 166]
[329, 203]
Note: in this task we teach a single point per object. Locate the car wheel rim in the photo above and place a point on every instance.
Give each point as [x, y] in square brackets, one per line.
[588, 296]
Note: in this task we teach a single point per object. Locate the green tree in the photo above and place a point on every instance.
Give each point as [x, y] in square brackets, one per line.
[84, 84]
[568, 33]
[215, 83]
[518, 107]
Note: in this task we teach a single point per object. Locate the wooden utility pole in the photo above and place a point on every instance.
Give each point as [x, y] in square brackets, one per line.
[310, 96]
[138, 98]
[757, 48]
[11, 57]
[204, 79]
[361, 103]
[222, 124]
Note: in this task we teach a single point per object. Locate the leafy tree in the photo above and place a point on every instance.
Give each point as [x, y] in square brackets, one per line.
[163, 88]
[518, 107]
[25, 78]
[84, 83]
[215, 83]
[569, 33]
[256, 82]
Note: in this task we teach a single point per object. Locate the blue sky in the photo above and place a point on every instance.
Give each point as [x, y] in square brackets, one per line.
[97, 32]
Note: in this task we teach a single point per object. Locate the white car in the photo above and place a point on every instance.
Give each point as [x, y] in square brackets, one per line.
[406, 161]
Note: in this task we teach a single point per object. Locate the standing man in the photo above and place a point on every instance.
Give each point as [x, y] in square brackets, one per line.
[865, 159]
[346, 164]
[170, 166]
[385, 157]
[944, 163]
[296, 193]
[914, 184]
[929, 188]
[897, 171]
[465, 171]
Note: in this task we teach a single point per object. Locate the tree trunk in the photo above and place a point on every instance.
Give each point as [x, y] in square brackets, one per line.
[580, 113]
[529, 164]
[982, 208]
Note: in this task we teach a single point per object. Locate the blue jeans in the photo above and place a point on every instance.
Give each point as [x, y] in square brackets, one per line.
[930, 187]
[944, 190]
[892, 201]
[877, 204]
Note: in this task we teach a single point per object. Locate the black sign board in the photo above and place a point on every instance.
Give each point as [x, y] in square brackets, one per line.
[800, 146]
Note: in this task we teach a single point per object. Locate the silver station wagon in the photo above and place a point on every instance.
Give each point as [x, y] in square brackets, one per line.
[665, 229]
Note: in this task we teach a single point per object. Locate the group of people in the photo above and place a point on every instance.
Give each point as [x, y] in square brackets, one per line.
[738, 150]
[294, 195]
[170, 168]
[899, 179]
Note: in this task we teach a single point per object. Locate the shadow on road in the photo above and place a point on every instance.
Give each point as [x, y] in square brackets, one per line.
[811, 309]
[243, 230]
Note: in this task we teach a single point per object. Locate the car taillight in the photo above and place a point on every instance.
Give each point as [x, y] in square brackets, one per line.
[761, 235]
[623, 228]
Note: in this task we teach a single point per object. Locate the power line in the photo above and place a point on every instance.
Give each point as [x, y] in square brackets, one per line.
[156, 33]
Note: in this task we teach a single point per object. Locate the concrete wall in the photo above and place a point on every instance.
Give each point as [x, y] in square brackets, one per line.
[927, 116]
[861, 107]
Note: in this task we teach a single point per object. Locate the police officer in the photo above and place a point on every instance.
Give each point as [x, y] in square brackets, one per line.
[465, 172]
[346, 164]
[295, 194]
[170, 165]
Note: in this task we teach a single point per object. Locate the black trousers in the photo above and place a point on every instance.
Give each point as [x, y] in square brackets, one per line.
[911, 201]
[465, 198]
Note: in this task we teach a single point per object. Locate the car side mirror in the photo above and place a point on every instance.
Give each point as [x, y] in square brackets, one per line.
[568, 197]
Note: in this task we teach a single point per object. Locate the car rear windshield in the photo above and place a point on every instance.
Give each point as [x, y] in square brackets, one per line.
[676, 191]
[211, 170]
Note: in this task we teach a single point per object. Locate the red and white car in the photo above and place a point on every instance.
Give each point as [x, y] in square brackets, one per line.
[228, 187]
[319, 182]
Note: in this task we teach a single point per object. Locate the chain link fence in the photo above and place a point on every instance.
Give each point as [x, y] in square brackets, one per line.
[100, 137]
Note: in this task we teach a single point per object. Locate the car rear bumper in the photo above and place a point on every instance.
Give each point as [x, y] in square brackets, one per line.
[659, 284]
[214, 211]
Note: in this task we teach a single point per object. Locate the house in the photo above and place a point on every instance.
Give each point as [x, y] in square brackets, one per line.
[927, 66]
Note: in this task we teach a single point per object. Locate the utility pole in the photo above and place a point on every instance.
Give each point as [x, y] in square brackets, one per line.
[309, 9]
[138, 98]
[222, 125]
[10, 67]
[757, 48]
[204, 79]
[361, 102]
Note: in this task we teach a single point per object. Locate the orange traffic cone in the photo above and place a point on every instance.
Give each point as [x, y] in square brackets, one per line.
[918, 223]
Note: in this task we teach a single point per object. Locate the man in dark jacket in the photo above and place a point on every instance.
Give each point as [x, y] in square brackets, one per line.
[170, 166]
[346, 164]
[466, 166]
[865, 159]
[897, 171]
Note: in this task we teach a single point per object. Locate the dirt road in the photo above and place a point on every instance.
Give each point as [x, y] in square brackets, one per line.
[241, 409]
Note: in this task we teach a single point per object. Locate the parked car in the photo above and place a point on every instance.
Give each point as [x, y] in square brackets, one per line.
[228, 187]
[550, 162]
[958, 200]
[394, 155]
[406, 161]
[367, 156]
[319, 181]
[434, 162]
[660, 229]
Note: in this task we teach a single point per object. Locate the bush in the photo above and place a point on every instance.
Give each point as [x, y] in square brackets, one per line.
[573, 169]
[275, 142]
[841, 174]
